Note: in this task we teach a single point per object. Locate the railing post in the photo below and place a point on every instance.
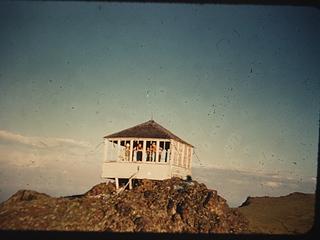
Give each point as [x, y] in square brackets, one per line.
[117, 183]
[130, 183]
[131, 149]
[118, 152]
[157, 150]
[144, 155]
[167, 152]
[172, 152]
[105, 149]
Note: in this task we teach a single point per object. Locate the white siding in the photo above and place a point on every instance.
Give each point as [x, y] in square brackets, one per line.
[127, 169]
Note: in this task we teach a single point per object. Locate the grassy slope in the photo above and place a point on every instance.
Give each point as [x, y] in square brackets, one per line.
[293, 213]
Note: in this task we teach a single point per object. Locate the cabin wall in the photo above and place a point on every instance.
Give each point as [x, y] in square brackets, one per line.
[139, 170]
[143, 170]
[190, 159]
[181, 154]
[182, 172]
[116, 165]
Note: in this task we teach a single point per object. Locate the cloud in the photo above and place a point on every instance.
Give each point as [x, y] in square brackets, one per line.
[276, 176]
[236, 185]
[56, 166]
[32, 152]
[57, 177]
[40, 142]
[237, 181]
[19, 157]
[273, 184]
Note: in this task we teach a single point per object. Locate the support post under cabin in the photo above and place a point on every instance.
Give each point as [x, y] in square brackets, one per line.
[117, 183]
[130, 183]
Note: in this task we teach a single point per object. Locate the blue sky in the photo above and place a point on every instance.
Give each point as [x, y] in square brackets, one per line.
[238, 82]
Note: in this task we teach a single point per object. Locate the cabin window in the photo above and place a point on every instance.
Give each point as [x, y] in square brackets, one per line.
[182, 160]
[153, 148]
[122, 150]
[161, 152]
[167, 151]
[115, 150]
[111, 151]
[153, 151]
[148, 152]
[180, 154]
[127, 150]
[137, 151]
[175, 153]
[188, 157]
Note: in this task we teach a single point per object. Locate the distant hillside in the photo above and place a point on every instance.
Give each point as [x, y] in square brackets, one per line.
[293, 213]
[171, 205]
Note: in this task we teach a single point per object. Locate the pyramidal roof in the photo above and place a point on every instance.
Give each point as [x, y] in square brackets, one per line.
[149, 129]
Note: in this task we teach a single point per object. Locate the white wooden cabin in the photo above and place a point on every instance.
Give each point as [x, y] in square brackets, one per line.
[147, 150]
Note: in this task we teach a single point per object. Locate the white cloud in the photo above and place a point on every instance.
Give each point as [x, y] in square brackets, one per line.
[53, 165]
[19, 158]
[24, 151]
[276, 176]
[41, 142]
[236, 185]
[272, 184]
[237, 181]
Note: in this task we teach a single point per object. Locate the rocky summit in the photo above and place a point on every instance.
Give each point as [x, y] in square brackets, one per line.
[169, 206]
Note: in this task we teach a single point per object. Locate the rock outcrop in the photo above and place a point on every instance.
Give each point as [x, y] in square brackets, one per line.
[172, 205]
